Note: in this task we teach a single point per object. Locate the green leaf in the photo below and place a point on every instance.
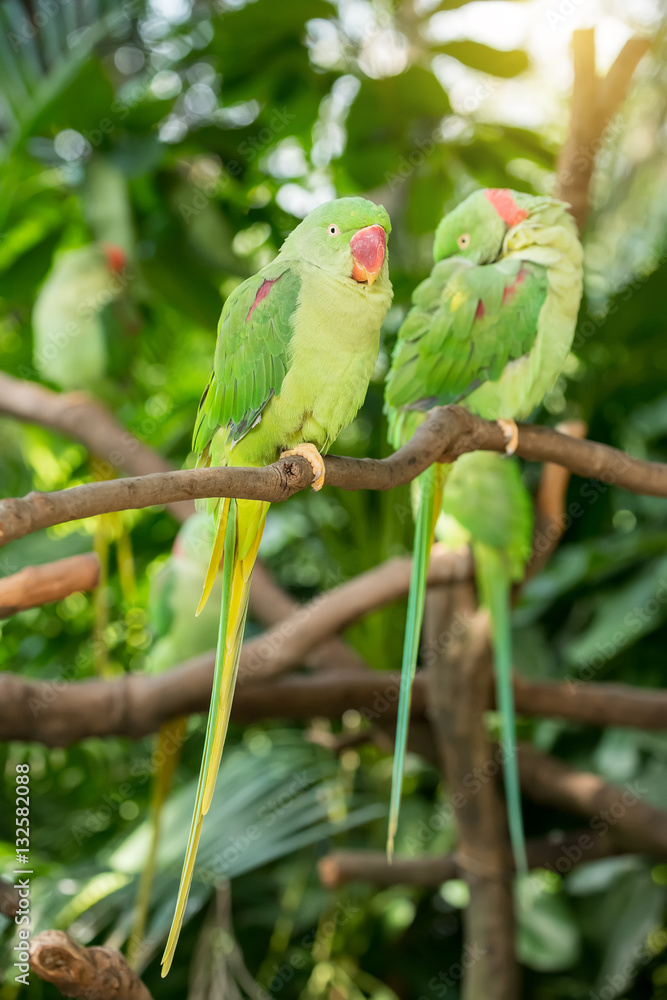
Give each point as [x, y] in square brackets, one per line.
[496, 62]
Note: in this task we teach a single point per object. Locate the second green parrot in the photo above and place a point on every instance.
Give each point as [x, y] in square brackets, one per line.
[489, 329]
[297, 345]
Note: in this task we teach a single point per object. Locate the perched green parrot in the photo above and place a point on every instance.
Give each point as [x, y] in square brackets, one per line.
[173, 600]
[69, 346]
[297, 345]
[489, 329]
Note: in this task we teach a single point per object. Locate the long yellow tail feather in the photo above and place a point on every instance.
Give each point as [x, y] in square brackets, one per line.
[216, 556]
[243, 527]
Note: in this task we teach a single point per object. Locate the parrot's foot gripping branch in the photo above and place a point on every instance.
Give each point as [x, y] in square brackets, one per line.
[312, 455]
[511, 435]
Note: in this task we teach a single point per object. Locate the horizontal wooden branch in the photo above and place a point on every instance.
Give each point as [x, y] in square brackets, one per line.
[427, 870]
[446, 433]
[84, 973]
[58, 712]
[637, 824]
[36, 585]
[80, 416]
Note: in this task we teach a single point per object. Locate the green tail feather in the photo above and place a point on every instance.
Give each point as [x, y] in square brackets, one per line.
[430, 486]
[494, 584]
[211, 728]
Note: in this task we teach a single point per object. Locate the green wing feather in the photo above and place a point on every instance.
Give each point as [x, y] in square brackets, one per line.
[486, 496]
[251, 356]
[466, 323]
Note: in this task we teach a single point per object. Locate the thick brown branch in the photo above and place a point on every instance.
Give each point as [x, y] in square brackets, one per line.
[459, 682]
[37, 585]
[9, 899]
[57, 712]
[551, 518]
[83, 418]
[341, 867]
[595, 101]
[447, 433]
[636, 824]
[287, 643]
[270, 604]
[84, 973]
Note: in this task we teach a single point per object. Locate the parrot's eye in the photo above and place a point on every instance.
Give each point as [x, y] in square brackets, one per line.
[463, 241]
[333, 230]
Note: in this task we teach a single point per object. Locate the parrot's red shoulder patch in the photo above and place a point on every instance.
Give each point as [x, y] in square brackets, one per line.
[480, 311]
[262, 292]
[115, 256]
[511, 290]
[505, 206]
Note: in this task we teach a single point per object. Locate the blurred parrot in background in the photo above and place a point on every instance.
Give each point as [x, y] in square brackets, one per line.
[70, 350]
[489, 329]
[297, 345]
[69, 343]
[174, 595]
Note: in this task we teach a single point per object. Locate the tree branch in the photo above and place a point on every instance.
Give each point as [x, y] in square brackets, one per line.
[36, 585]
[548, 781]
[550, 515]
[446, 433]
[58, 712]
[270, 604]
[84, 973]
[341, 867]
[9, 899]
[83, 418]
[595, 101]
[459, 682]
[286, 644]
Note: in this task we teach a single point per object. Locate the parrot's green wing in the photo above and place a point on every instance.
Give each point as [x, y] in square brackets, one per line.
[466, 323]
[252, 354]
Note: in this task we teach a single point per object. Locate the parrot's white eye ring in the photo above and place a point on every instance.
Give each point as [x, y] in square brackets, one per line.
[333, 229]
[463, 241]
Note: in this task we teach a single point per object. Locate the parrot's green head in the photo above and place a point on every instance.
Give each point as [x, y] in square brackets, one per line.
[346, 237]
[476, 229]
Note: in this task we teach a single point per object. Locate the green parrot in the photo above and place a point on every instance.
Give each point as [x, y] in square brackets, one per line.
[69, 346]
[173, 600]
[489, 329]
[297, 345]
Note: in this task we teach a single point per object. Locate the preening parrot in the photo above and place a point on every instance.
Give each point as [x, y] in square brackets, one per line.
[173, 600]
[69, 345]
[489, 329]
[297, 345]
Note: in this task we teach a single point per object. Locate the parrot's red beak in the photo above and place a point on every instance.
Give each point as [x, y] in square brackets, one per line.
[115, 256]
[369, 247]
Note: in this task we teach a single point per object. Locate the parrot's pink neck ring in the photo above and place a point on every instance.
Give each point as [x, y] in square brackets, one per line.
[505, 206]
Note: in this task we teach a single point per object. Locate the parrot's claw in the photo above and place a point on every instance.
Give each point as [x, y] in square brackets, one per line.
[511, 435]
[312, 455]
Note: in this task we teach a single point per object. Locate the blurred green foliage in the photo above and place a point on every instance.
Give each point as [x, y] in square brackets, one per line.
[194, 135]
